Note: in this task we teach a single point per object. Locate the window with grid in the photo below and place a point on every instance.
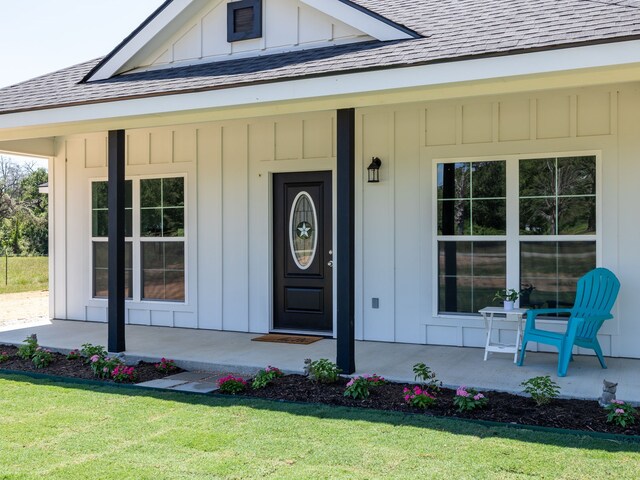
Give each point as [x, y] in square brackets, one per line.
[540, 248]
[100, 244]
[157, 240]
[162, 238]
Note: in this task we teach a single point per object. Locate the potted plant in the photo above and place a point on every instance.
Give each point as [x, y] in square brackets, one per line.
[507, 296]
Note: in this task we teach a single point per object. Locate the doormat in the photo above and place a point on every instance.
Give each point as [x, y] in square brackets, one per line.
[293, 339]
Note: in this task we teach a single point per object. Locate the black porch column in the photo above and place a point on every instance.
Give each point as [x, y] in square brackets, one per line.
[345, 265]
[116, 241]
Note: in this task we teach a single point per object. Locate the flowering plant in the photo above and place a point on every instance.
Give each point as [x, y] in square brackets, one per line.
[358, 387]
[73, 354]
[231, 384]
[166, 366]
[417, 397]
[4, 356]
[103, 366]
[468, 399]
[265, 377]
[620, 413]
[42, 357]
[123, 374]
[88, 351]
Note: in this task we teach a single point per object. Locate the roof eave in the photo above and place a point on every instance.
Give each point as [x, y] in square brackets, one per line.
[349, 85]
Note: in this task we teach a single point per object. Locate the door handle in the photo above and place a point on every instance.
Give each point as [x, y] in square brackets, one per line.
[330, 263]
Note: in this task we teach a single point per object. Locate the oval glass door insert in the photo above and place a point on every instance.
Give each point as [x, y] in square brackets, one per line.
[303, 235]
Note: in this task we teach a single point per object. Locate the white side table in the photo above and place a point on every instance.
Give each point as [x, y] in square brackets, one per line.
[514, 315]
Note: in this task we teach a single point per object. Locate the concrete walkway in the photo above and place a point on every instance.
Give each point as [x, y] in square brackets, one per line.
[205, 350]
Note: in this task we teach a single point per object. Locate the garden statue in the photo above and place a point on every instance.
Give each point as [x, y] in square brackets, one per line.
[608, 393]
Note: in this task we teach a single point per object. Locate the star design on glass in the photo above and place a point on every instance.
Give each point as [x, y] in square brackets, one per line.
[304, 230]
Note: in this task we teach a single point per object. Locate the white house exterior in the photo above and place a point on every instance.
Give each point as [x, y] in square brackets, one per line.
[509, 138]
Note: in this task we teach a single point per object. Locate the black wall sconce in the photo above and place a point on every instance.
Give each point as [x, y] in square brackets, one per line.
[373, 170]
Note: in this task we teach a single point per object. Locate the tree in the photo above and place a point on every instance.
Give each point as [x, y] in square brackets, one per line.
[23, 209]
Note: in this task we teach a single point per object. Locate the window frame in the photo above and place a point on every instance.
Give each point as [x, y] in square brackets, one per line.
[137, 239]
[512, 237]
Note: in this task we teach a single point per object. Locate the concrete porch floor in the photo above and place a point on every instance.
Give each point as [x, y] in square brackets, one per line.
[213, 350]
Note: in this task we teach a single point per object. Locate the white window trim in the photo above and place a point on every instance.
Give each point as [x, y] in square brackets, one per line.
[513, 237]
[137, 240]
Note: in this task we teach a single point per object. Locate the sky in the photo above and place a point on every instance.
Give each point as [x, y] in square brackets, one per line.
[42, 36]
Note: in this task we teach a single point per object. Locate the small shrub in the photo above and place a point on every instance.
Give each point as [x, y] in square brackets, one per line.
[31, 344]
[322, 371]
[74, 355]
[620, 413]
[123, 374]
[88, 351]
[426, 377]
[232, 385]
[359, 387]
[4, 356]
[166, 366]
[541, 389]
[419, 398]
[265, 377]
[468, 399]
[103, 367]
[42, 357]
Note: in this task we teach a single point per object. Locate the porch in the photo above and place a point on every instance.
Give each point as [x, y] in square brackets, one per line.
[207, 349]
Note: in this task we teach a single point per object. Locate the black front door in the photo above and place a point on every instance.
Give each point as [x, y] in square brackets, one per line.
[302, 251]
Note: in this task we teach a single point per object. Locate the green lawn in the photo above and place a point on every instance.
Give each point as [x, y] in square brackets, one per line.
[25, 274]
[73, 431]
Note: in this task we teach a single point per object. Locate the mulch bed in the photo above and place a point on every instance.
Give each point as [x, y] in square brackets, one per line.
[75, 368]
[583, 415]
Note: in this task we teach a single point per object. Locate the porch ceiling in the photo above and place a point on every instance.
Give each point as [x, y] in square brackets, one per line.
[206, 349]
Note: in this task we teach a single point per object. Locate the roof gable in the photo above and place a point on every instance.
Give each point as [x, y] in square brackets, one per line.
[560, 34]
[187, 32]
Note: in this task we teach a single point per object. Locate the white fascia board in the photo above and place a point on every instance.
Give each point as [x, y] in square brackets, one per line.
[503, 68]
[358, 19]
[142, 39]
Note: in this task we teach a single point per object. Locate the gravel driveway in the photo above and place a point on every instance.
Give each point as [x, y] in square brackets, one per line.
[23, 308]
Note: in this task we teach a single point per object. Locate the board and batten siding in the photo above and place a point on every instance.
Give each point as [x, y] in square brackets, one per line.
[228, 169]
[287, 25]
[398, 261]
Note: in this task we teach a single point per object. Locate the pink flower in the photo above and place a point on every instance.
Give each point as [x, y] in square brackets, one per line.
[95, 358]
[478, 397]
[105, 369]
[231, 378]
[617, 402]
[350, 382]
[462, 392]
[619, 411]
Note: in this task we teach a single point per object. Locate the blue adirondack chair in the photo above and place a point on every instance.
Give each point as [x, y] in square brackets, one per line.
[595, 296]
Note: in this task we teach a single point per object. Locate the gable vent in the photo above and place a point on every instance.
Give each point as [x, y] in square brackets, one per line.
[244, 20]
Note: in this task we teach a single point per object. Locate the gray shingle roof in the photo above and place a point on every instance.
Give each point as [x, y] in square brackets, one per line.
[452, 30]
